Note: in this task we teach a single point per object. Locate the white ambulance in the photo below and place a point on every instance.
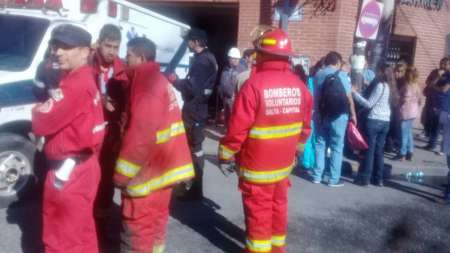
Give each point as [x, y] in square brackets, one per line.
[26, 30]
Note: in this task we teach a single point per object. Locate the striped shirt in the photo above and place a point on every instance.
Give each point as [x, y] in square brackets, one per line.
[378, 102]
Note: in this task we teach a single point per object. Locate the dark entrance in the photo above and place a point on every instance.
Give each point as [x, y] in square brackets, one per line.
[219, 20]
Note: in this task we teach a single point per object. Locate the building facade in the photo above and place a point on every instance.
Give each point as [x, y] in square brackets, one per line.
[420, 35]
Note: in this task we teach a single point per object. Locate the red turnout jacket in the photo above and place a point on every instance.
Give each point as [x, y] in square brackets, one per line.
[154, 152]
[271, 116]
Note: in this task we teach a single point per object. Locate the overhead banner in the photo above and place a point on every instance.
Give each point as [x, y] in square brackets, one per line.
[369, 20]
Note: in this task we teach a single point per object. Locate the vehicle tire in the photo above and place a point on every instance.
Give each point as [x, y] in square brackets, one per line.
[17, 176]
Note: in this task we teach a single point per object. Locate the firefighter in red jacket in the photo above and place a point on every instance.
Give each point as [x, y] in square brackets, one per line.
[270, 121]
[71, 122]
[154, 154]
[113, 84]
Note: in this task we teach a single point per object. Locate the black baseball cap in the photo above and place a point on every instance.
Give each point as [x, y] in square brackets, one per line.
[71, 36]
[196, 34]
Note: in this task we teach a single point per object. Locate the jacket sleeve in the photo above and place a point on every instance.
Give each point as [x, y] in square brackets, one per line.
[241, 121]
[307, 108]
[53, 115]
[147, 110]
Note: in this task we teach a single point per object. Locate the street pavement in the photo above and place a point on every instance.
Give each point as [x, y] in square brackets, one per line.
[400, 217]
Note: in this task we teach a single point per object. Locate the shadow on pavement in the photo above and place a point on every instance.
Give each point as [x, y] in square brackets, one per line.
[203, 218]
[26, 213]
[409, 227]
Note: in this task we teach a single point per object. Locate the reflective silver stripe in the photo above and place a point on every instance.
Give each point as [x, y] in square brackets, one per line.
[276, 132]
[259, 245]
[225, 153]
[279, 240]
[170, 177]
[265, 177]
[175, 129]
[199, 153]
[100, 127]
[127, 168]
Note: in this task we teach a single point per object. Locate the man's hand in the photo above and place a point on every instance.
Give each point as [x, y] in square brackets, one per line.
[172, 77]
[227, 168]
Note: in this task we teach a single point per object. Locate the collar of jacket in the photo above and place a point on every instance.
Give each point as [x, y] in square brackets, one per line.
[146, 67]
[117, 65]
[273, 65]
[80, 70]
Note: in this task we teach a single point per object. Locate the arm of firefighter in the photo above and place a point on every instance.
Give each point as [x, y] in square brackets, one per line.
[57, 112]
[307, 104]
[140, 137]
[240, 124]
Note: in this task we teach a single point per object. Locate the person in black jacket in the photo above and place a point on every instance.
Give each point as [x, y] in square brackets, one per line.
[196, 89]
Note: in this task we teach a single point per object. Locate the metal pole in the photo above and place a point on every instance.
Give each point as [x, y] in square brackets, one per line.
[381, 43]
[284, 17]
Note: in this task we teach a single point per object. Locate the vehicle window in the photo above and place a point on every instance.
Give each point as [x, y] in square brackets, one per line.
[21, 37]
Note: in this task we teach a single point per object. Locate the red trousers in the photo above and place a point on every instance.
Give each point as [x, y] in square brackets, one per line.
[68, 220]
[265, 209]
[144, 222]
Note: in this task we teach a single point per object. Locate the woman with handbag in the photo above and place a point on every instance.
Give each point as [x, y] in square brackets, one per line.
[376, 129]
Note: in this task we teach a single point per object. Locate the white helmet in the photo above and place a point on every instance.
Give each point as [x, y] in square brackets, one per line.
[234, 53]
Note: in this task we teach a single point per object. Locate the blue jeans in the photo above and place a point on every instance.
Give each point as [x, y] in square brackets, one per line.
[407, 137]
[330, 133]
[447, 195]
[376, 131]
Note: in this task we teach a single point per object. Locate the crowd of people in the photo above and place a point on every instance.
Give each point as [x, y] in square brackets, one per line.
[385, 108]
[109, 124]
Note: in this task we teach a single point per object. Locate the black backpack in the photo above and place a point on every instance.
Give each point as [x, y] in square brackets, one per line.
[333, 98]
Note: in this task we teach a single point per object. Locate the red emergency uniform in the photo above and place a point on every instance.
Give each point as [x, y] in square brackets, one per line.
[72, 123]
[154, 156]
[271, 116]
[113, 85]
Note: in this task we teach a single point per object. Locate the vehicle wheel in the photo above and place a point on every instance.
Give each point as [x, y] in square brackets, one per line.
[16, 167]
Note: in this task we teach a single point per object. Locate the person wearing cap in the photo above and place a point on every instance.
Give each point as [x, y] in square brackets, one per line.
[196, 90]
[269, 123]
[71, 121]
[154, 155]
[113, 84]
[228, 80]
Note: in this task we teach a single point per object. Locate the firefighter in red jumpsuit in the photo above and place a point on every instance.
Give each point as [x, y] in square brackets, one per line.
[269, 123]
[113, 84]
[71, 122]
[154, 155]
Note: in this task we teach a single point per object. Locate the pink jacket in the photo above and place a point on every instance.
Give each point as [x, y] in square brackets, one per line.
[410, 99]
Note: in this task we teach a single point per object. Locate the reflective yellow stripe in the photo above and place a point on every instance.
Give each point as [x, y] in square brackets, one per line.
[259, 245]
[265, 177]
[174, 130]
[279, 240]
[276, 131]
[168, 178]
[225, 153]
[127, 168]
[158, 248]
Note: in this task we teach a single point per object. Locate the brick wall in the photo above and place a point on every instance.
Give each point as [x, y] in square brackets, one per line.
[430, 28]
[314, 36]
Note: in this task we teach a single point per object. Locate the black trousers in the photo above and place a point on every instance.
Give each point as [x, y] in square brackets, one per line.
[196, 136]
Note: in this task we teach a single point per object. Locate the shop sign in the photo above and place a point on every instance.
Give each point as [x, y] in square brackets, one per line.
[369, 19]
[427, 4]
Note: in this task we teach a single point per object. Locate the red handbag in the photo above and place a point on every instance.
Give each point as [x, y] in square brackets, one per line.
[355, 138]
